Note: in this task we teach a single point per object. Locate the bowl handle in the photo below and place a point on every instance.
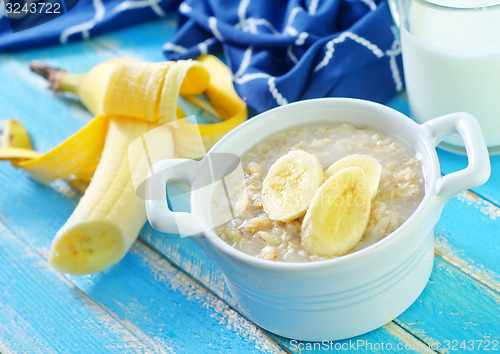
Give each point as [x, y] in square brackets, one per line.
[478, 169]
[159, 214]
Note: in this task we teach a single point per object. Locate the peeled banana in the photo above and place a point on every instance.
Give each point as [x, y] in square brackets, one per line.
[290, 185]
[109, 216]
[134, 89]
[129, 87]
[338, 214]
[370, 166]
[135, 98]
[91, 87]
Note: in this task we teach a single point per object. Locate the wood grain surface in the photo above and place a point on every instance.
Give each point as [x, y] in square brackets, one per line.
[166, 295]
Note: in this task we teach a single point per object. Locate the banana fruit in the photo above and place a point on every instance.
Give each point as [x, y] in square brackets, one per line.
[338, 214]
[135, 99]
[112, 86]
[336, 203]
[368, 164]
[91, 87]
[290, 185]
[110, 215]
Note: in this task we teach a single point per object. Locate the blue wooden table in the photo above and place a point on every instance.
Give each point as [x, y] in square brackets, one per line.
[165, 295]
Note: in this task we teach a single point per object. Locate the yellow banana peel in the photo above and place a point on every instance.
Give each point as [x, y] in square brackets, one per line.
[77, 156]
[138, 98]
[225, 101]
[16, 143]
[15, 154]
[14, 135]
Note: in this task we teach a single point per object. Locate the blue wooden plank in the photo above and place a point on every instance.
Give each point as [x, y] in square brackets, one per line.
[453, 306]
[189, 257]
[26, 98]
[379, 341]
[184, 253]
[490, 190]
[143, 291]
[161, 300]
[41, 311]
[182, 250]
[144, 41]
[37, 211]
[467, 237]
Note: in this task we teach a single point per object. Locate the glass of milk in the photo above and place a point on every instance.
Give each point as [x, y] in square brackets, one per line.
[451, 58]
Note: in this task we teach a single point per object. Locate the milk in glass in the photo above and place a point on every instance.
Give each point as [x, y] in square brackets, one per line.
[452, 62]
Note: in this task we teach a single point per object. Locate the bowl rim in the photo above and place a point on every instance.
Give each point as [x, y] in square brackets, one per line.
[414, 218]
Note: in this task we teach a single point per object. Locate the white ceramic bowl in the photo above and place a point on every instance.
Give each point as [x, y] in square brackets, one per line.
[355, 293]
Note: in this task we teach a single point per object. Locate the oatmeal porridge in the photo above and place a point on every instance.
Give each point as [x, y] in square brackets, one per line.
[395, 197]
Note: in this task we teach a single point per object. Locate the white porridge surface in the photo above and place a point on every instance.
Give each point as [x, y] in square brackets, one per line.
[400, 191]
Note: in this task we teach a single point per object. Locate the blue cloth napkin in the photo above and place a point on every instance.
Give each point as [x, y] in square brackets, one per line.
[283, 51]
[76, 19]
[279, 51]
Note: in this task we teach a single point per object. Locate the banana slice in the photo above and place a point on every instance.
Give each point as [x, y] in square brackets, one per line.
[290, 185]
[338, 214]
[368, 164]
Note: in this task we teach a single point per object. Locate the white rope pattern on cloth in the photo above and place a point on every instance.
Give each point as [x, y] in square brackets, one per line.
[251, 25]
[244, 62]
[247, 18]
[242, 9]
[370, 4]
[100, 11]
[289, 25]
[275, 93]
[185, 8]
[301, 39]
[212, 23]
[130, 5]
[202, 46]
[84, 27]
[330, 48]
[174, 48]
[249, 77]
[313, 7]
